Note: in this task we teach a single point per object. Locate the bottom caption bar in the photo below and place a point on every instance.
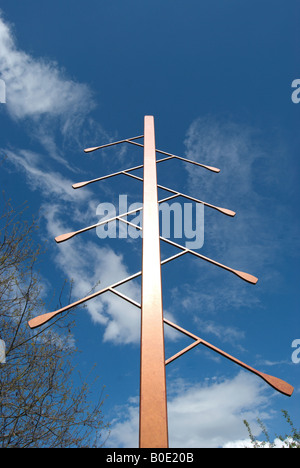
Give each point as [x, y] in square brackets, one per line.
[142, 457]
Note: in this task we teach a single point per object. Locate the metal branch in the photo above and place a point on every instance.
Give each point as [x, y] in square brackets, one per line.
[95, 148]
[210, 168]
[245, 276]
[69, 235]
[218, 208]
[41, 319]
[276, 383]
[123, 296]
[183, 351]
[171, 156]
[241, 274]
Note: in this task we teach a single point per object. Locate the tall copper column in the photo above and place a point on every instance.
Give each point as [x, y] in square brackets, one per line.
[153, 401]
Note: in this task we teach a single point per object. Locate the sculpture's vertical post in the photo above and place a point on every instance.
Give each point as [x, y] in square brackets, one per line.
[153, 400]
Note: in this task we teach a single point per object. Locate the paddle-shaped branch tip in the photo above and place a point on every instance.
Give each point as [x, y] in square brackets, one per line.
[245, 276]
[64, 237]
[40, 320]
[227, 212]
[79, 184]
[89, 150]
[278, 384]
[213, 169]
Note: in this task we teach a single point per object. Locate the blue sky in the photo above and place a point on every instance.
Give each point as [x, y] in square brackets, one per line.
[217, 77]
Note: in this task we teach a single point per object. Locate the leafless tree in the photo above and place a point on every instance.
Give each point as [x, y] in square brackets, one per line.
[39, 405]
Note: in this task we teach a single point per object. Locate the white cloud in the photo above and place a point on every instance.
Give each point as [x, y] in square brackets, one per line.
[89, 265]
[227, 333]
[250, 183]
[49, 182]
[125, 433]
[36, 87]
[226, 145]
[247, 443]
[242, 443]
[205, 415]
[232, 148]
[252, 240]
[56, 111]
[53, 109]
[56, 108]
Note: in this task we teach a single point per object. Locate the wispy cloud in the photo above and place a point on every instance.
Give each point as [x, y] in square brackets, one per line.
[55, 110]
[249, 183]
[50, 182]
[89, 265]
[37, 87]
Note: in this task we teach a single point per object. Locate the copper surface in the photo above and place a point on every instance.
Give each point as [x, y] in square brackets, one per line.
[153, 400]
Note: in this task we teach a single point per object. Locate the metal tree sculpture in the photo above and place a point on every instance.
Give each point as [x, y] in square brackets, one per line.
[153, 431]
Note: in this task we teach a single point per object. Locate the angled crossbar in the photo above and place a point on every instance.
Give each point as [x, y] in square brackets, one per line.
[241, 274]
[69, 235]
[128, 140]
[278, 384]
[183, 351]
[44, 318]
[173, 156]
[113, 174]
[126, 172]
[218, 208]
[123, 296]
[169, 156]
[245, 276]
